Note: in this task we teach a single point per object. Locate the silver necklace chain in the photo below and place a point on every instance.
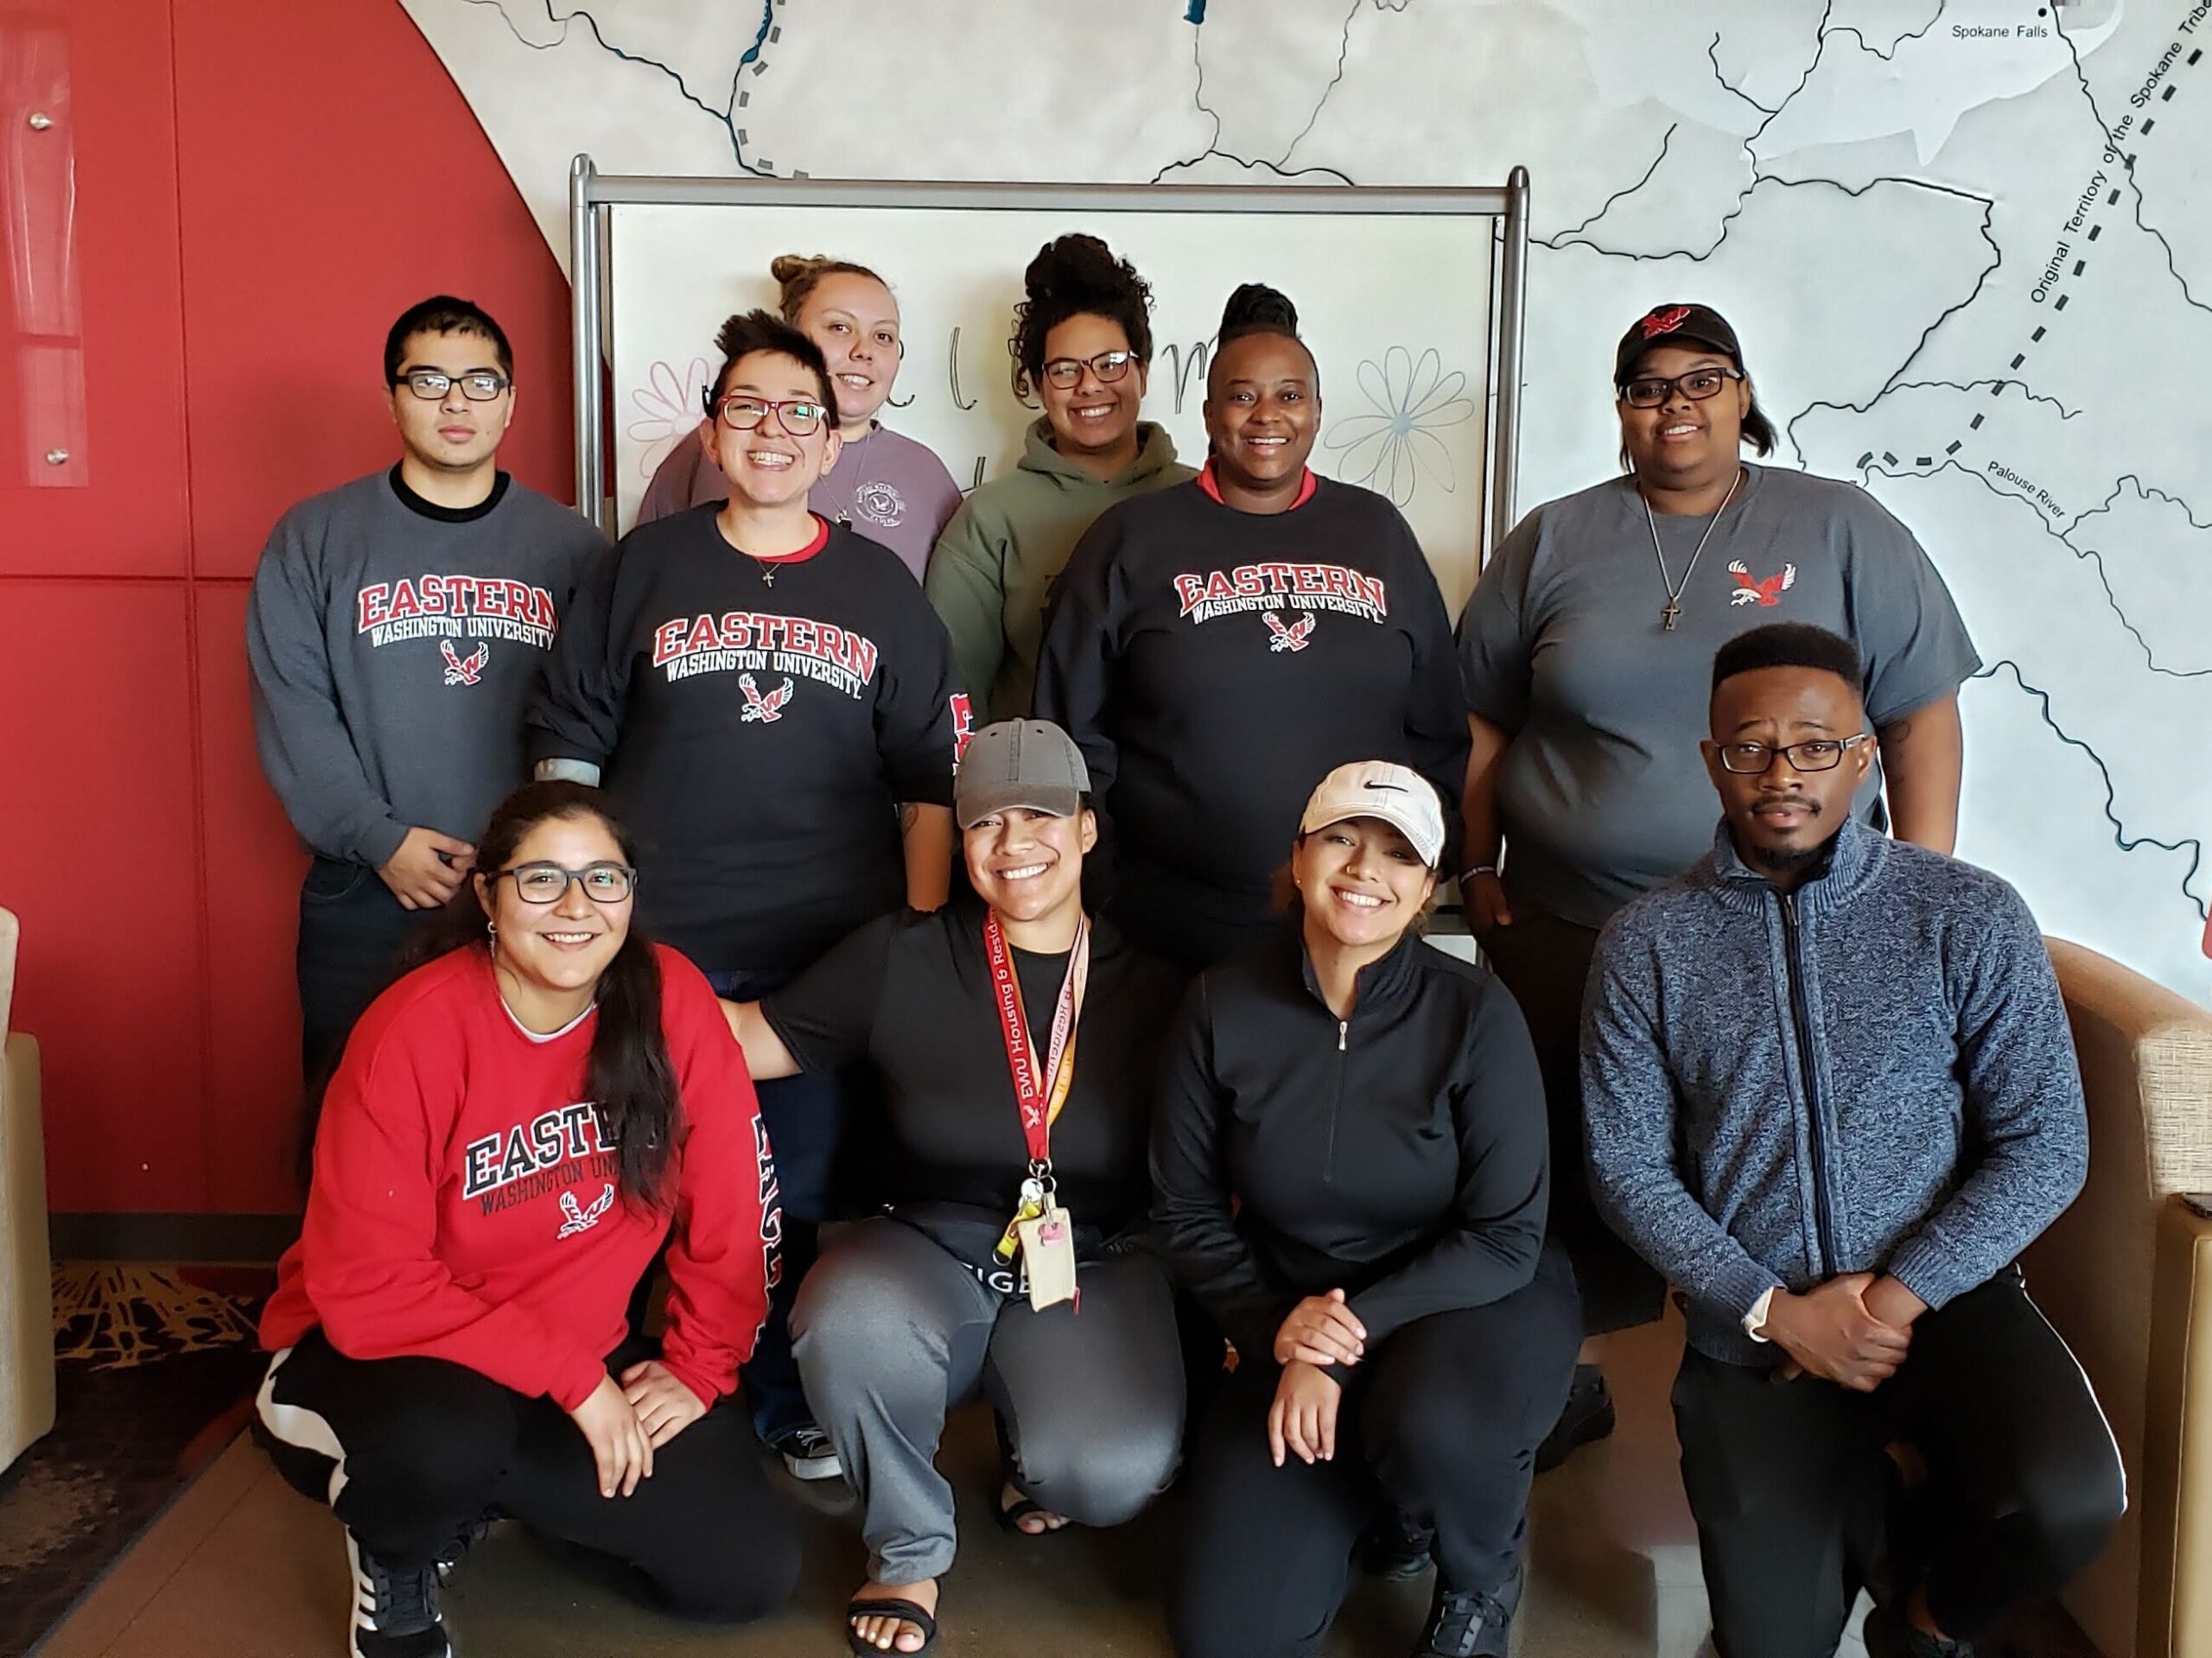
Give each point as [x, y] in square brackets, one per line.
[1671, 611]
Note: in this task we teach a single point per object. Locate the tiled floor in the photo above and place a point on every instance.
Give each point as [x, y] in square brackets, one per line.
[243, 1567]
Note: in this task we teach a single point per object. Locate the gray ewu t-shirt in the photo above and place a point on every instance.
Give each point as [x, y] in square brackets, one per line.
[1603, 794]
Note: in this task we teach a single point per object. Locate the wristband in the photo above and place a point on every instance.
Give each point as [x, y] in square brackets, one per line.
[1466, 875]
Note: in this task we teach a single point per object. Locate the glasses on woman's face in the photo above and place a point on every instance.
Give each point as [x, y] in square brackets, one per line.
[1697, 386]
[545, 883]
[798, 416]
[431, 386]
[1816, 754]
[1066, 373]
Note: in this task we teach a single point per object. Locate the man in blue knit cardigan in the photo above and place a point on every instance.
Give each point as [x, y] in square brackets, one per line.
[1831, 1096]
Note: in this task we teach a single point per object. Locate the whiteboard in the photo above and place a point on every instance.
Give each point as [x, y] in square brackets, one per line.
[1398, 309]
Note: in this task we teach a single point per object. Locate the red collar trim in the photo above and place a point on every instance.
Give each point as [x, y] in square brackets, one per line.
[1307, 485]
[821, 540]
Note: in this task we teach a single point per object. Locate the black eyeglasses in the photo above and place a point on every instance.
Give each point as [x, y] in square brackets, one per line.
[798, 416]
[1816, 754]
[545, 883]
[480, 385]
[1697, 386]
[1066, 373]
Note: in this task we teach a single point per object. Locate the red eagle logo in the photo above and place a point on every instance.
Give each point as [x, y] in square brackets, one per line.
[464, 670]
[766, 709]
[1664, 321]
[1767, 593]
[1296, 637]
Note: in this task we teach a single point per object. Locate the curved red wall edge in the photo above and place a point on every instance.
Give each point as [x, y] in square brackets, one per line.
[261, 190]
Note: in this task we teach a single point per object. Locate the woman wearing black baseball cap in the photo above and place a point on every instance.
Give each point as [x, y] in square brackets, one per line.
[1587, 651]
[1350, 1170]
[1016, 1042]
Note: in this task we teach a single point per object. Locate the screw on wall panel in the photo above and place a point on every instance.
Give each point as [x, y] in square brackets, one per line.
[41, 120]
[57, 457]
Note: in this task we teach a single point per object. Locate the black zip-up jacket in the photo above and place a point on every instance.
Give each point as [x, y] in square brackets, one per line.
[1400, 1155]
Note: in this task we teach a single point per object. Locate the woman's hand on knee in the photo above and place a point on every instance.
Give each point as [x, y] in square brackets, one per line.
[618, 1444]
[1303, 1418]
[1321, 1330]
[664, 1406]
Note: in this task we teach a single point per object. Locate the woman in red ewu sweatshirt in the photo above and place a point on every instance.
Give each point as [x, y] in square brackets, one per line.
[514, 1131]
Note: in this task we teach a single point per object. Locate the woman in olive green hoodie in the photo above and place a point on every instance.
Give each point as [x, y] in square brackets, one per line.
[1082, 342]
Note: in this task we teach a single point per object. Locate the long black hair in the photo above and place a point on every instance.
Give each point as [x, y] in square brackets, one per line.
[629, 1076]
[1076, 275]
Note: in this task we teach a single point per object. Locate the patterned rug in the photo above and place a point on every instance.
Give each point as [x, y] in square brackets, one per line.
[156, 1371]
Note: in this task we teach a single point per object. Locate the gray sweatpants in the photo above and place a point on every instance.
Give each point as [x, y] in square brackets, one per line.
[890, 1332]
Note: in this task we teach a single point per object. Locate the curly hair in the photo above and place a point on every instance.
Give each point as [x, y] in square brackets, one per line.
[1076, 275]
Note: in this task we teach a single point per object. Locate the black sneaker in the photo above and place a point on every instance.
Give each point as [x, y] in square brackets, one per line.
[1588, 1416]
[395, 1608]
[806, 1451]
[1464, 1624]
[1887, 1635]
[1396, 1549]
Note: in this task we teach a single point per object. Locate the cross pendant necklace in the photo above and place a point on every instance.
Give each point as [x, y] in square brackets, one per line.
[1671, 611]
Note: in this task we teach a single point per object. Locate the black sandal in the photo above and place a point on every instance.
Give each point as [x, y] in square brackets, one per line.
[904, 1611]
[1010, 1519]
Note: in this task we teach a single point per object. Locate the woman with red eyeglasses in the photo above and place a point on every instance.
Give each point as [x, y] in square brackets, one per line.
[772, 707]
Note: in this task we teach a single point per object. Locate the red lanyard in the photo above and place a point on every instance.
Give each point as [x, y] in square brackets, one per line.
[1040, 1089]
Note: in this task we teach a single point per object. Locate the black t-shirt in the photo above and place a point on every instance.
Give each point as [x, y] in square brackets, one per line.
[757, 726]
[1214, 665]
[911, 993]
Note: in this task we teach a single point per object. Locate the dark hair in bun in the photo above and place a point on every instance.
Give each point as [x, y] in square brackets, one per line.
[1076, 275]
[1255, 307]
[797, 275]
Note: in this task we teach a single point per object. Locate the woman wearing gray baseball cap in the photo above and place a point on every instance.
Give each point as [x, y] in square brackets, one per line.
[1016, 1041]
[1350, 1161]
[1586, 652]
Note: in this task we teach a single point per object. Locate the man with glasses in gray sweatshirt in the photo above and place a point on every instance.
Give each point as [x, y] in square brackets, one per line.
[396, 632]
[1831, 1096]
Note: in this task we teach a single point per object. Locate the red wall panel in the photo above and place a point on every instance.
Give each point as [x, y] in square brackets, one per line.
[261, 190]
[110, 289]
[351, 181]
[103, 869]
[252, 868]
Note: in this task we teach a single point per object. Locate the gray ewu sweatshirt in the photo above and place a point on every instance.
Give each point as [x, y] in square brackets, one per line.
[1929, 1122]
[394, 646]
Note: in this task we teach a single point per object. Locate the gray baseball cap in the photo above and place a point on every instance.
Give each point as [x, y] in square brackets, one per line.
[1030, 763]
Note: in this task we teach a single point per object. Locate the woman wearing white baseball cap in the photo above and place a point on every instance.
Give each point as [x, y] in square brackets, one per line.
[1404, 1334]
[1015, 1184]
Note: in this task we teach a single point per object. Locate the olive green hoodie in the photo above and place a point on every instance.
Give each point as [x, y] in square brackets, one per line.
[995, 561]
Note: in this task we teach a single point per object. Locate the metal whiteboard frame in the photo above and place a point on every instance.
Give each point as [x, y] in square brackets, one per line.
[592, 193]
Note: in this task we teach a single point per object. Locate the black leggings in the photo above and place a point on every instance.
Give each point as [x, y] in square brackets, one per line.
[411, 1452]
[1791, 1488]
[1439, 1422]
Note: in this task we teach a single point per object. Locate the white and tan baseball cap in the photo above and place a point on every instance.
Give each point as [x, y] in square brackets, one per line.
[1398, 795]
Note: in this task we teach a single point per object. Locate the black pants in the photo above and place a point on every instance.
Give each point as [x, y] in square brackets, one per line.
[1545, 963]
[353, 932]
[1791, 1485]
[804, 1116]
[411, 1452]
[1440, 1422]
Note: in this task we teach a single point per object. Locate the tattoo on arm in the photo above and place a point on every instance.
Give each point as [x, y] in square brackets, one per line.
[909, 814]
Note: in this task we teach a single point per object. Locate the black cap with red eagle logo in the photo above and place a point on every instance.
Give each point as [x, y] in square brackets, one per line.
[1674, 325]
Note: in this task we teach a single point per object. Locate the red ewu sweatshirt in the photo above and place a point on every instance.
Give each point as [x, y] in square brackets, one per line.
[465, 1206]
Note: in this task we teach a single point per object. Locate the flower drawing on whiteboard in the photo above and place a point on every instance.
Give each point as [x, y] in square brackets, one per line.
[1391, 449]
[668, 409]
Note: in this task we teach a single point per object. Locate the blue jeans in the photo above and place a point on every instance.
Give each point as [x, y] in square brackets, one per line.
[803, 1114]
